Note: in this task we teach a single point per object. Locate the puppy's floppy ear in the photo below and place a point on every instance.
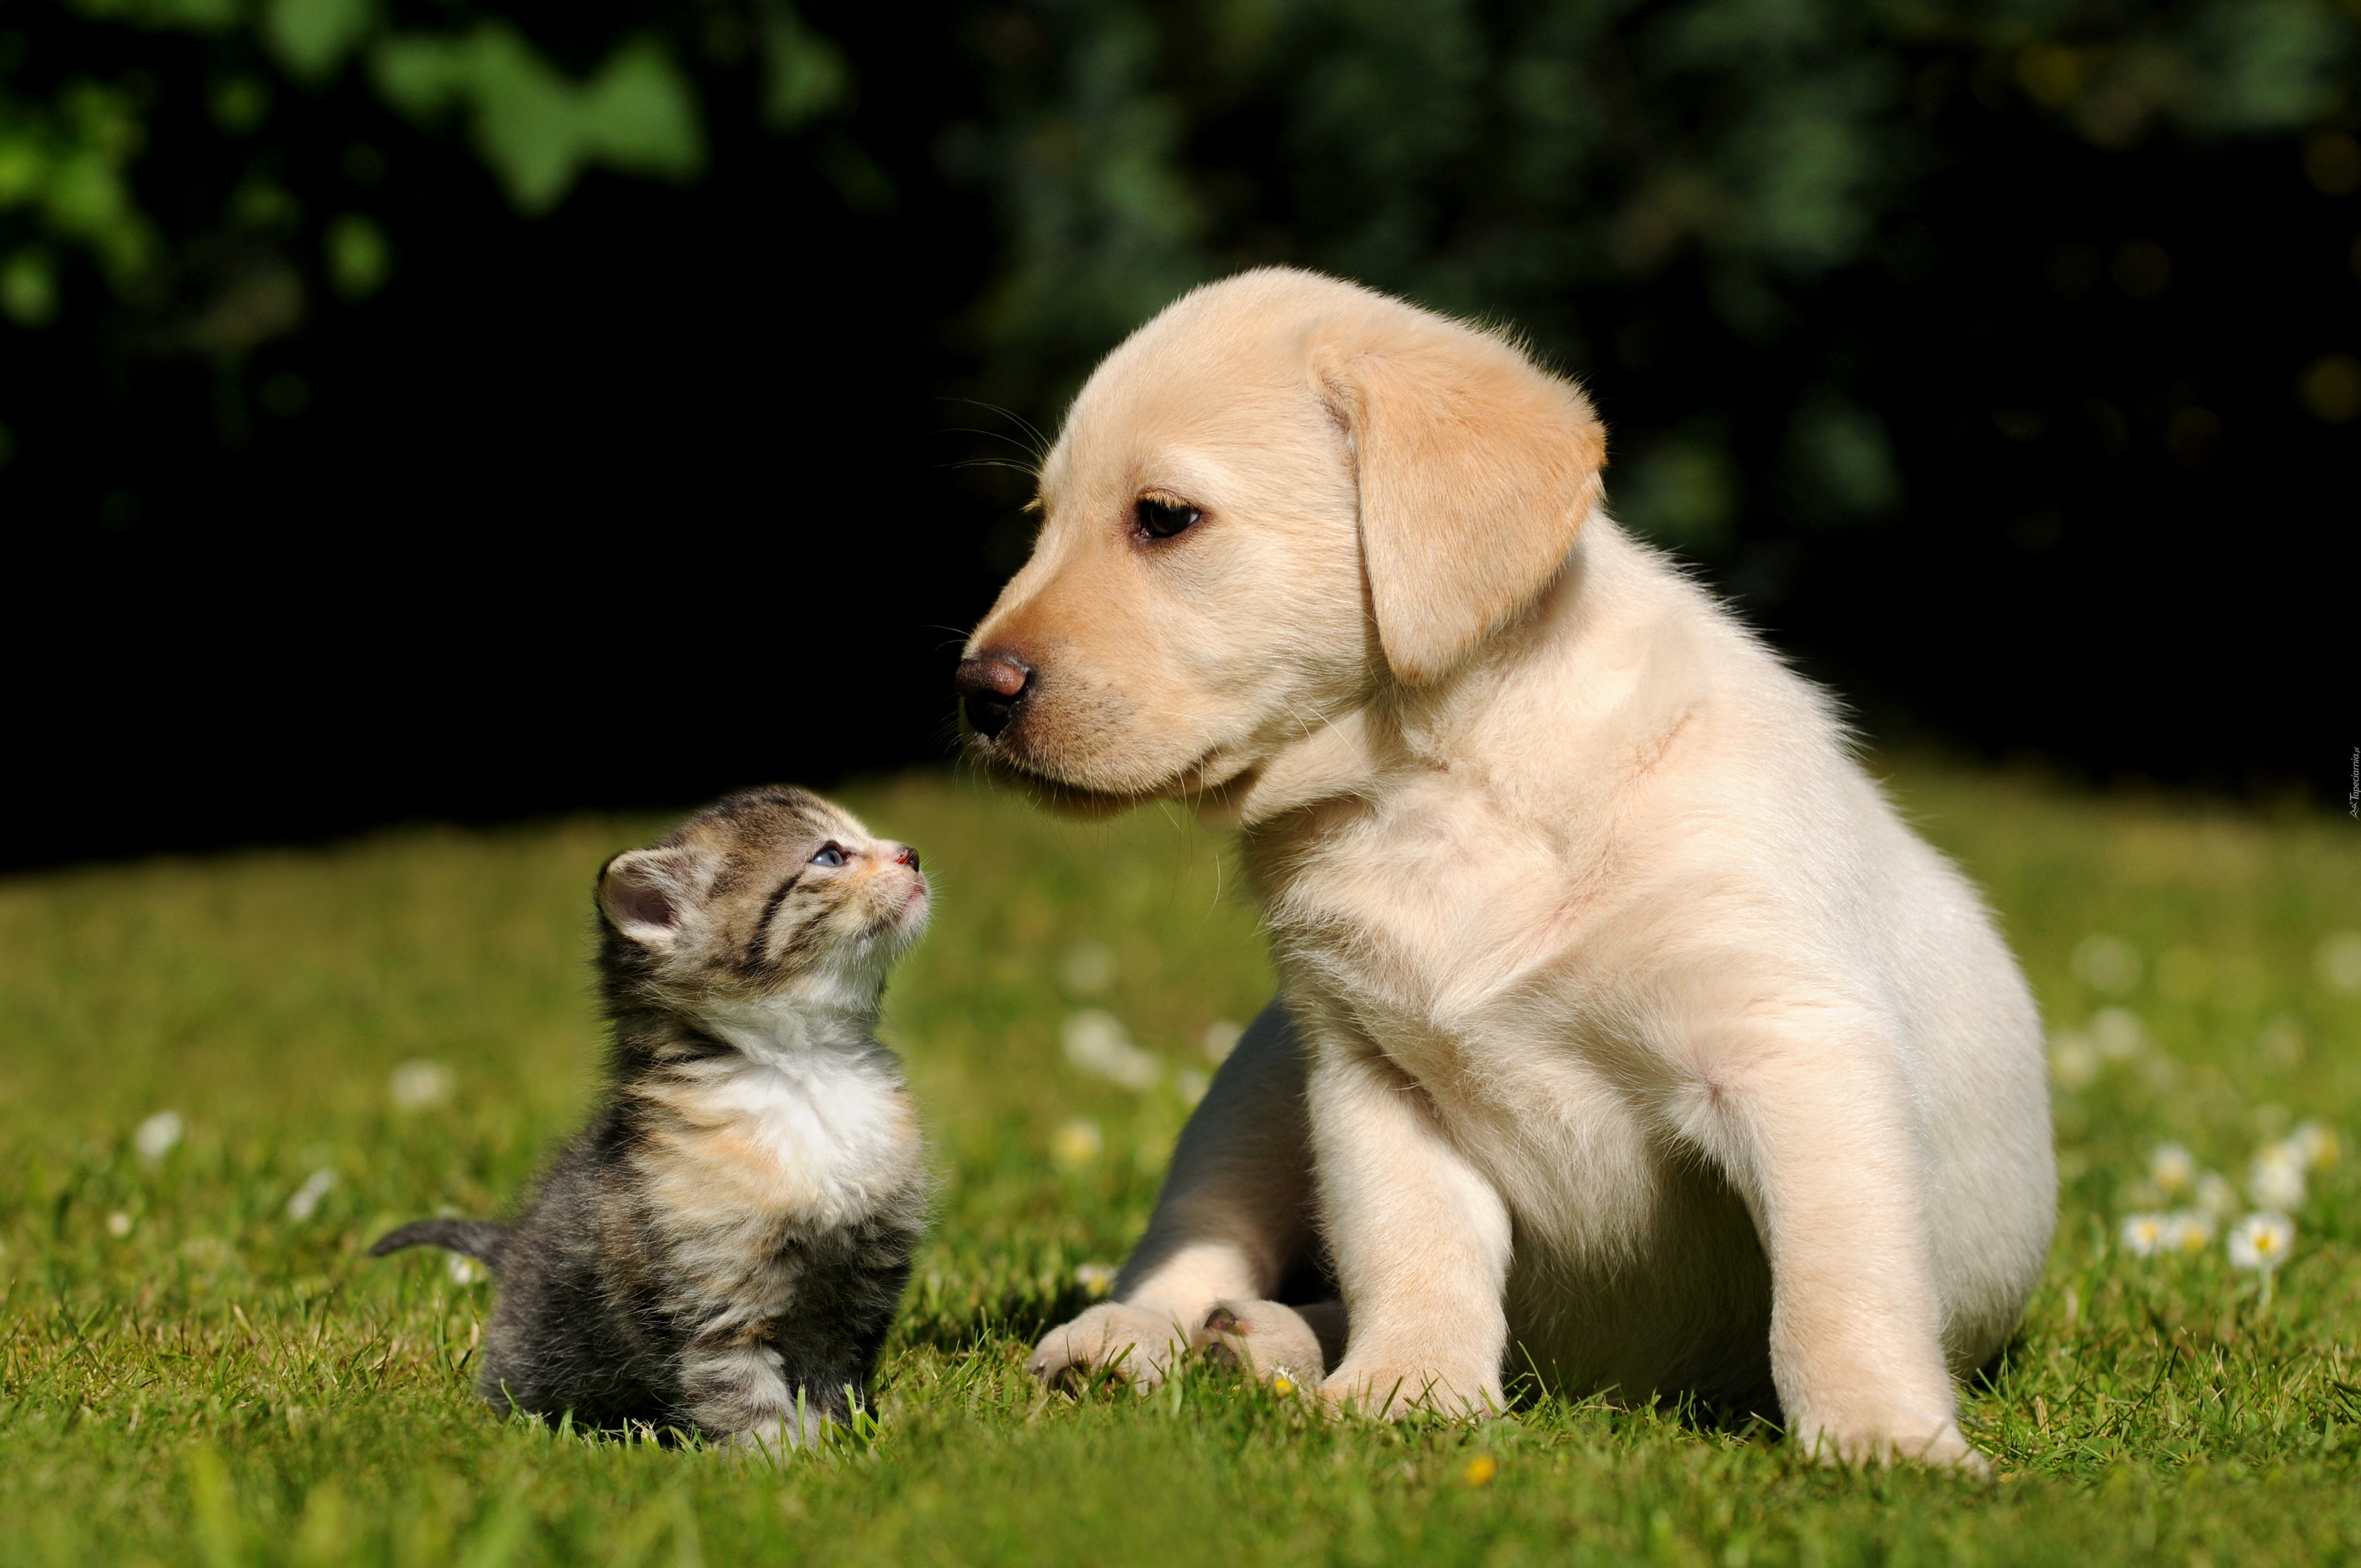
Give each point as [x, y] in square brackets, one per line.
[644, 894]
[1475, 470]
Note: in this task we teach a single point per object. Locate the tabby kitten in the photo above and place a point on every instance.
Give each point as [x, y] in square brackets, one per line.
[722, 1250]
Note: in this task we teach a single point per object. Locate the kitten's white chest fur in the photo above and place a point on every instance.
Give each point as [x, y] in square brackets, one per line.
[809, 1123]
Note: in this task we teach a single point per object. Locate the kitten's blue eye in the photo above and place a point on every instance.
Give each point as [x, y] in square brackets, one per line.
[829, 855]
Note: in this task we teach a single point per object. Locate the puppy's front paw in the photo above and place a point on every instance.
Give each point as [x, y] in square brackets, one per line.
[1272, 1342]
[1129, 1342]
[1392, 1392]
[1947, 1449]
[1951, 1450]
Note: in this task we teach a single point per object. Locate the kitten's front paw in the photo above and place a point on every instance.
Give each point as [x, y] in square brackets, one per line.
[1271, 1341]
[1391, 1392]
[1128, 1341]
[775, 1437]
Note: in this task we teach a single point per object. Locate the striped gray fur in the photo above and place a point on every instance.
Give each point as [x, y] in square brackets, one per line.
[722, 1250]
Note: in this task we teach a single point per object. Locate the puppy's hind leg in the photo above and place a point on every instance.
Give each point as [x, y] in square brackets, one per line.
[1272, 1342]
[1232, 1221]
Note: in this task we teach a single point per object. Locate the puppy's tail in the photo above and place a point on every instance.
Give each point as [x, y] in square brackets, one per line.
[483, 1240]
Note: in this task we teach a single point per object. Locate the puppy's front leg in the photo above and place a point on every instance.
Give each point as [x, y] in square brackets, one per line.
[1819, 1136]
[1420, 1241]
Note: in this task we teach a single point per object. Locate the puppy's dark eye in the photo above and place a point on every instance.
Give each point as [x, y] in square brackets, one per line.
[829, 855]
[1163, 518]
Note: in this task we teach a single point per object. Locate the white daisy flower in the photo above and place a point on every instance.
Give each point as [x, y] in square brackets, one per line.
[2144, 1234]
[2173, 1169]
[305, 1199]
[2262, 1242]
[1096, 1041]
[2073, 1060]
[1098, 1278]
[2190, 1230]
[158, 1134]
[2315, 1145]
[419, 1084]
[2276, 1179]
[2216, 1196]
[2119, 1034]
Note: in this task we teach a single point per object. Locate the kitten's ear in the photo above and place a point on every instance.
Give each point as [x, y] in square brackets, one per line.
[644, 893]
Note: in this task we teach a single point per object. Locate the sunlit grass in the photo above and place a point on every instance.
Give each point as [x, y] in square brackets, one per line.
[198, 1363]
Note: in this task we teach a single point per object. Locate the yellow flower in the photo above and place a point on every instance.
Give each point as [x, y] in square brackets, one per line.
[1077, 1144]
[1479, 1471]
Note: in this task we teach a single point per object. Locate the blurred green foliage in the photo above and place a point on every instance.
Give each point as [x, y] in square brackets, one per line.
[536, 128]
[1469, 154]
[359, 258]
[70, 131]
[1494, 158]
[64, 180]
[1545, 162]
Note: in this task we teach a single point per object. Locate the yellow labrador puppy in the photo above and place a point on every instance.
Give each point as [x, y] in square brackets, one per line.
[1627, 1035]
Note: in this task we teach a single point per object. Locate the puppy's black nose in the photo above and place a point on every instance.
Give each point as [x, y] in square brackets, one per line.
[990, 689]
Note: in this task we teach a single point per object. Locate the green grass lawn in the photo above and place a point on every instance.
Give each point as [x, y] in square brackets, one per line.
[198, 1361]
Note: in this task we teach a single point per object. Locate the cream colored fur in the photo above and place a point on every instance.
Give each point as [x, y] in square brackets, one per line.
[1629, 1035]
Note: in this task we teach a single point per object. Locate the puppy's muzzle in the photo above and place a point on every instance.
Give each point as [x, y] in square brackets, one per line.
[993, 686]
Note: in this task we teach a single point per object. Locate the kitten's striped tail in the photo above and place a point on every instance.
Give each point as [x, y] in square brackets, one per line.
[483, 1240]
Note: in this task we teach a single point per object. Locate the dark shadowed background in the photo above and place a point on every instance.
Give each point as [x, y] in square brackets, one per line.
[435, 410]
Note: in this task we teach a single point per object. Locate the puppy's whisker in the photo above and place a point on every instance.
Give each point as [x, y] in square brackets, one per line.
[1040, 443]
[994, 435]
[1025, 468]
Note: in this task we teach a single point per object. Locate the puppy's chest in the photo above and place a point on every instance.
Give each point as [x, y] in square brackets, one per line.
[1428, 920]
[1480, 963]
[751, 1150]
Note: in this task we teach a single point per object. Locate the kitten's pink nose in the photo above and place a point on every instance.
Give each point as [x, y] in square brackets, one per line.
[907, 856]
